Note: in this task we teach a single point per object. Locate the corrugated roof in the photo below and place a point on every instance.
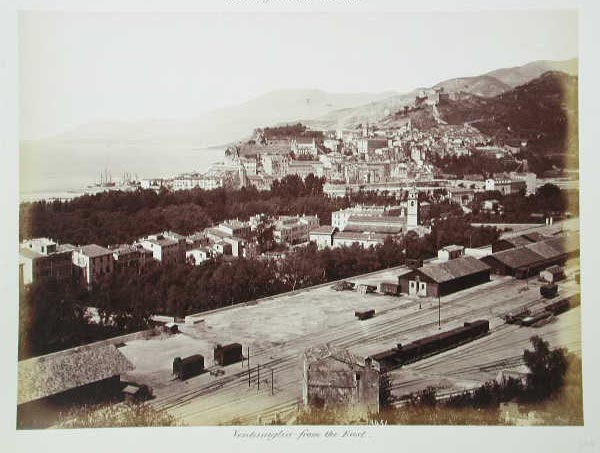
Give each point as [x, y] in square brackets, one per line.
[545, 249]
[450, 270]
[565, 244]
[50, 374]
[518, 257]
[534, 253]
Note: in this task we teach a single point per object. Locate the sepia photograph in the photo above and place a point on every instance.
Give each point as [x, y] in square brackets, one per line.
[263, 219]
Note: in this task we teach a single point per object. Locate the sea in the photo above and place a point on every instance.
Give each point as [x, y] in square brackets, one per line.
[66, 170]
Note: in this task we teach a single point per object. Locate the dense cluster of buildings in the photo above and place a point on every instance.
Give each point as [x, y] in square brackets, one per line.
[89, 264]
[369, 156]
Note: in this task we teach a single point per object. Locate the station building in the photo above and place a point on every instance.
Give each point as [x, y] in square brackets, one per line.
[443, 278]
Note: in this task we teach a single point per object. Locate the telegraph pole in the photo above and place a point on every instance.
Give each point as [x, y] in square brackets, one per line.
[258, 375]
[272, 381]
[248, 354]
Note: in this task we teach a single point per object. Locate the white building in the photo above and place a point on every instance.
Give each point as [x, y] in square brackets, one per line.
[166, 247]
[339, 219]
[530, 181]
[198, 255]
[274, 164]
[304, 146]
[42, 257]
[323, 236]
[294, 229]
[92, 262]
[505, 186]
[450, 252]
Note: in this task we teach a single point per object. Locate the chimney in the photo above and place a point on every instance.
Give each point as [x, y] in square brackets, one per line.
[368, 362]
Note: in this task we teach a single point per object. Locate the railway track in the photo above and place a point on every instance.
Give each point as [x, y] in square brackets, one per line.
[283, 359]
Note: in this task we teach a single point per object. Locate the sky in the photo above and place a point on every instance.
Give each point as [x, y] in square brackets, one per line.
[77, 68]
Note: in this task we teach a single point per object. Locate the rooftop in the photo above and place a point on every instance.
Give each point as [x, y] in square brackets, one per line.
[360, 236]
[93, 250]
[305, 140]
[55, 373]
[326, 351]
[374, 228]
[536, 252]
[377, 219]
[450, 270]
[453, 248]
[323, 229]
[161, 241]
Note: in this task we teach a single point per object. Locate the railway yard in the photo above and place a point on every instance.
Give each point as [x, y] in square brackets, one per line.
[277, 330]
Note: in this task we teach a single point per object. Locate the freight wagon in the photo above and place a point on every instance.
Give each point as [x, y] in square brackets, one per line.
[363, 288]
[189, 367]
[362, 315]
[392, 289]
[549, 291]
[424, 347]
[343, 286]
[228, 354]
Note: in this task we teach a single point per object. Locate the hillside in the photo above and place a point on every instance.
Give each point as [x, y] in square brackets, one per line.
[486, 86]
[544, 112]
[519, 75]
[491, 84]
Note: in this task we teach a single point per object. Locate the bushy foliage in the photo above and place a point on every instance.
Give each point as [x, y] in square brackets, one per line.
[122, 415]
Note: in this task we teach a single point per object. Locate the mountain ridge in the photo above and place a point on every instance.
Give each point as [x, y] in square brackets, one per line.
[314, 107]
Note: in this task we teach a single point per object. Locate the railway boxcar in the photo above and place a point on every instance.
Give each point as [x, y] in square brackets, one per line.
[228, 354]
[189, 367]
[549, 291]
[389, 288]
[362, 315]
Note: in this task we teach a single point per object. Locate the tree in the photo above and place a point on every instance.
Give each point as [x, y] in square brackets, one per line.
[547, 368]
